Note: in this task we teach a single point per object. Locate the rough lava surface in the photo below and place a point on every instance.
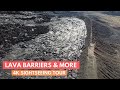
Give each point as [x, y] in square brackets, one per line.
[60, 38]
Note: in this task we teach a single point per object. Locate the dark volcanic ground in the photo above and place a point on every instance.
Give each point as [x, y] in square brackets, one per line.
[19, 29]
[41, 36]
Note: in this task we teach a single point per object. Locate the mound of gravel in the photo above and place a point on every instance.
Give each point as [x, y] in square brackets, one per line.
[63, 41]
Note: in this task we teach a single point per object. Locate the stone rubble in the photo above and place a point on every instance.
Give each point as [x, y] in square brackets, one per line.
[65, 40]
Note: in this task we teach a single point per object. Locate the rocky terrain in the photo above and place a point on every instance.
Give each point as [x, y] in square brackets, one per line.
[35, 36]
[90, 37]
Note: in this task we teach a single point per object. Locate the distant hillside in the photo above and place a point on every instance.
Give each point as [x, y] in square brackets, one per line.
[116, 13]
